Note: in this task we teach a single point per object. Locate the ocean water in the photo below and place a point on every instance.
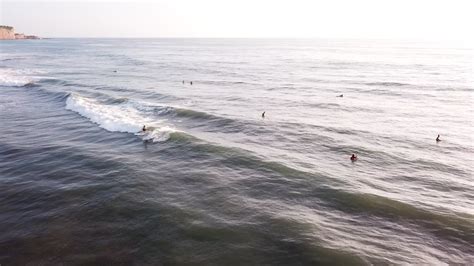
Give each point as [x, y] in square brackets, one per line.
[212, 182]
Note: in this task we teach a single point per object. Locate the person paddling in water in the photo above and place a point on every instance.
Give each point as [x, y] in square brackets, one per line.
[143, 128]
[437, 139]
[354, 157]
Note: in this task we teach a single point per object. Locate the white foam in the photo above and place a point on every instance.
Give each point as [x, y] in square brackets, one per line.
[15, 78]
[123, 117]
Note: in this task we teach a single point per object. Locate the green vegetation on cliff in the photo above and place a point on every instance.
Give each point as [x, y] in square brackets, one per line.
[6, 27]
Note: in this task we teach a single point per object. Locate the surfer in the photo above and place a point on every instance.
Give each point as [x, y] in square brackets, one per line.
[144, 128]
[183, 81]
[263, 115]
[437, 139]
[354, 157]
[191, 82]
[340, 95]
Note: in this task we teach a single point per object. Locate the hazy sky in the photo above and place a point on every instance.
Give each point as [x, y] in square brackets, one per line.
[397, 19]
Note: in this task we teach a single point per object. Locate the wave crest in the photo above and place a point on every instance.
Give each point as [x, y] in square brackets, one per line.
[120, 117]
[14, 78]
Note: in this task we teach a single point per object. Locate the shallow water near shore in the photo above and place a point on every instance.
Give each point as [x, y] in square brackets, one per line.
[212, 182]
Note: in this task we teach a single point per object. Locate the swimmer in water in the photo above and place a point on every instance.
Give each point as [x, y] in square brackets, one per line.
[437, 139]
[191, 83]
[144, 128]
[353, 157]
[263, 115]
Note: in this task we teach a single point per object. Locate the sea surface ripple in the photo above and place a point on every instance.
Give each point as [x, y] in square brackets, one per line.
[211, 181]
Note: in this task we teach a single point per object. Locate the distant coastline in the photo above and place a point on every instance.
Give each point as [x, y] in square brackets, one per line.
[8, 33]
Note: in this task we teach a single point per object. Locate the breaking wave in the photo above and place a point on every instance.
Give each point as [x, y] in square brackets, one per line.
[121, 116]
[15, 78]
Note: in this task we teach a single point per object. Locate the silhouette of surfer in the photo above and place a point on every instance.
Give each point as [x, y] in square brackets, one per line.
[342, 95]
[144, 128]
[263, 115]
[438, 139]
[191, 82]
[354, 157]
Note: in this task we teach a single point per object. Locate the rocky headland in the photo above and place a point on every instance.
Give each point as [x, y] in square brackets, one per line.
[8, 33]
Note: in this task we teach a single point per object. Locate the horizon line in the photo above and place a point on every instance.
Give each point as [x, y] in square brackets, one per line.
[269, 38]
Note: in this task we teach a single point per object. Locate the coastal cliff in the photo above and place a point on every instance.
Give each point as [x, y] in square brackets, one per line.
[8, 33]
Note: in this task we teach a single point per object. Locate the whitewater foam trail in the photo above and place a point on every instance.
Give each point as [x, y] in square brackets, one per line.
[14, 78]
[121, 117]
